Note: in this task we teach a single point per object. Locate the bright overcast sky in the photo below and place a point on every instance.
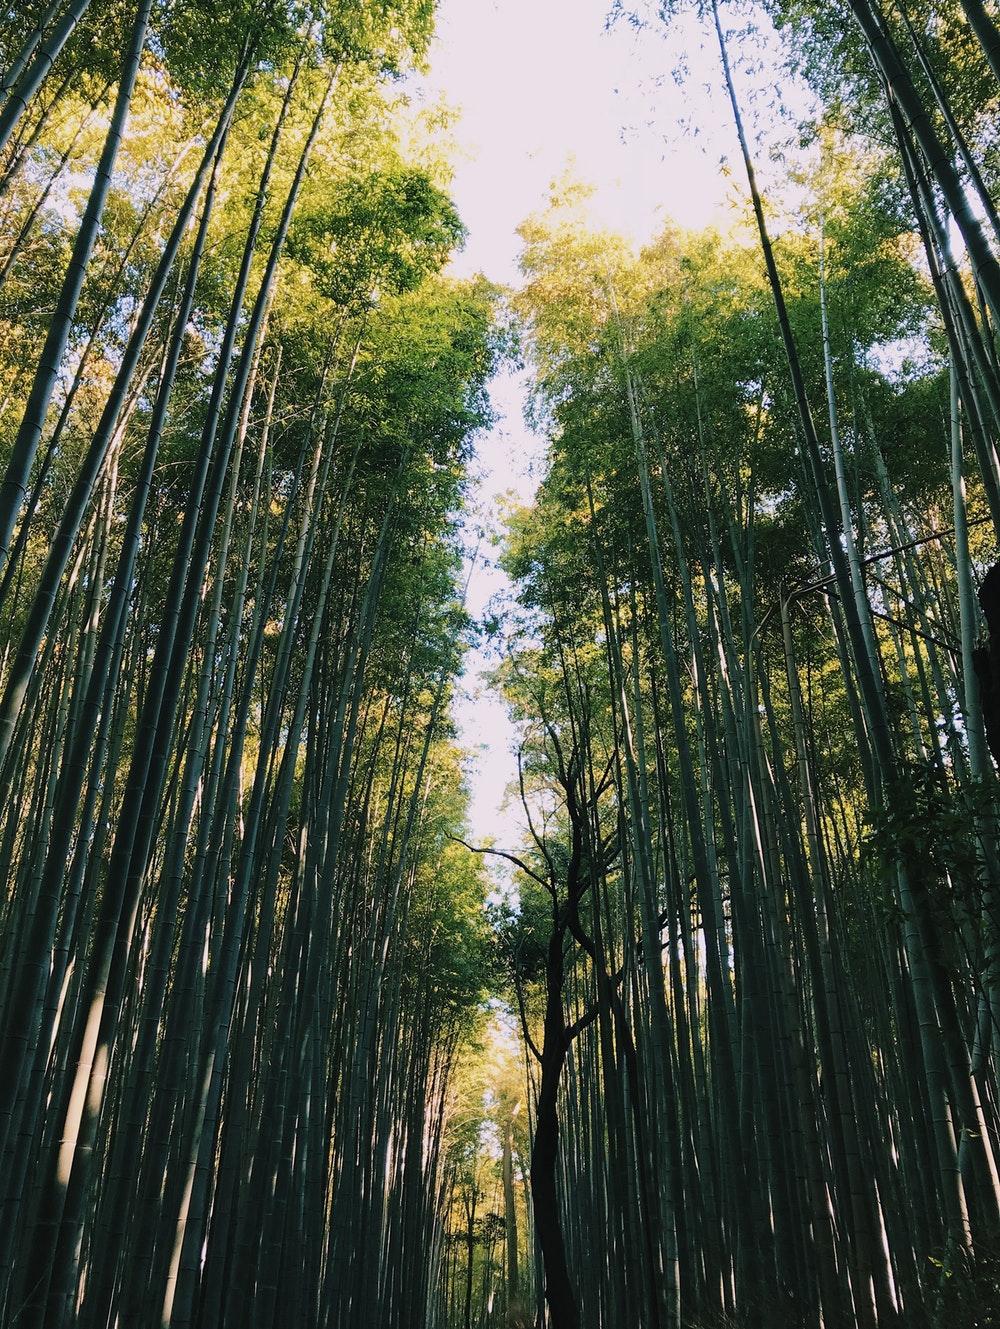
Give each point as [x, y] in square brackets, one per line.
[542, 87]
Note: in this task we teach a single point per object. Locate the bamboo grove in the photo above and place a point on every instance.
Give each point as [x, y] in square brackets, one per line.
[753, 938]
[239, 948]
[717, 1045]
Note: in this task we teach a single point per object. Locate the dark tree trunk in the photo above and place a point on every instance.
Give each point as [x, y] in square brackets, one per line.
[559, 1292]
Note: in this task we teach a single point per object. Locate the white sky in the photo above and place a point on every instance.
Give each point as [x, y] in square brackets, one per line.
[542, 86]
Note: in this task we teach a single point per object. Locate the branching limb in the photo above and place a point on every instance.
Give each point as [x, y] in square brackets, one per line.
[592, 1012]
[501, 853]
[522, 1012]
[538, 839]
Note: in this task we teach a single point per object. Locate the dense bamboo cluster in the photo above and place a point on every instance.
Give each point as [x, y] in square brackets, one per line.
[239, 947]
[755, 942]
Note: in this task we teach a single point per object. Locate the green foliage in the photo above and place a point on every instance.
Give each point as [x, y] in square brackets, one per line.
[381, 233]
